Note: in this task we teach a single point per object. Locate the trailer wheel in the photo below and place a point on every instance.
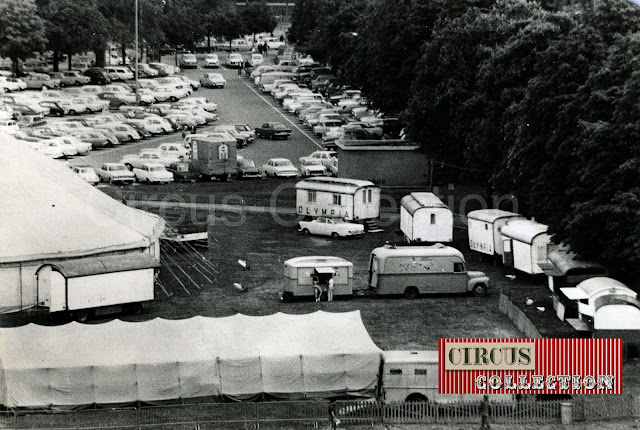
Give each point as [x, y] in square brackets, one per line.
[479, 290]
[411, 293]
[82, 316]
[287, 297]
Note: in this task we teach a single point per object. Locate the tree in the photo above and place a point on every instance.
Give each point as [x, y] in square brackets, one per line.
[72, 27]
[257, 18]
[181, 23]
[230, 24]
[22, 31]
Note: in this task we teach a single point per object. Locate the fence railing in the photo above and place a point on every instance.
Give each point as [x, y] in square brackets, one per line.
[205, 416]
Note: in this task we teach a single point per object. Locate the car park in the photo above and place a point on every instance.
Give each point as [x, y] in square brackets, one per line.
[312, 167]
[279, 168]
[247, 169]
[235, 60]
[87, 173]
[334, 227]
[211, 60]
[152, 173]
[213, 80]
[115, 173]
[273, 130]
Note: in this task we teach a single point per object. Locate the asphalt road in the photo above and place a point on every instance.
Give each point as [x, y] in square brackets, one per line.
[240, 102]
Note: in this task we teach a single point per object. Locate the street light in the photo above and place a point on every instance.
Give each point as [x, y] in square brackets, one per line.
[137, 62]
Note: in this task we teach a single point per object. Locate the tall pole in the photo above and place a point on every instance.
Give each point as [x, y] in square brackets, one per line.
[137, 51]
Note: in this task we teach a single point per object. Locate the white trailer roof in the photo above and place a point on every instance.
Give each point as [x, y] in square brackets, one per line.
[491, 215]
[598, 285]
[334, 185]
[524, 230]
[436, 250]
[402, 357]
[416, 201]
[318, 261]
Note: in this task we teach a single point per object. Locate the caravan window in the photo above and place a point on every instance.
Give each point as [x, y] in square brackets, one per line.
[458, 267]
[433, 219]
[395, 371]
[337, 199]
[367, 196]
[311, 196]
[420, 371]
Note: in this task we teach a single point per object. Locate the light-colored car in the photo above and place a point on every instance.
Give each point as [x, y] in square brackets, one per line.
[124, 132]
[153, 124]
[82, 148]
[115, 172]
[182, 120]
[87, 173]
[8, 85]
[50, 149]
[152, 173]
[187, 80]
[325, 157]
[200, 102]
[167, 93]
[188, 61]
[211, 60]
[213, 80]
[325, 125]
[93, 89]
[67, 148]
[178, 150]
[333, 168]
[119, 73]
[200, 116]
[39, 81]
[235, 60]
[146, 70]
[256, 60]
[146, 156]
[21, 84]
[9, 126]
[312, 167]
[260, 70]
[246, 131]
[333, 227]
[280, 168]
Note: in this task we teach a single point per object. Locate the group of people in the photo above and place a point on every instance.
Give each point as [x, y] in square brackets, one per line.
[262, 48]
[317, 289]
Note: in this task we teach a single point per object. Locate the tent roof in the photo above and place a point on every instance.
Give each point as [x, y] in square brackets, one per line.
[50, 212]
[194, 339]
[105, 264]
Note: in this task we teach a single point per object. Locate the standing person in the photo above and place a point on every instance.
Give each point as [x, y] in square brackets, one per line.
[317, 290]
[333, 418]
[240, 68]
[330, 290]
[484, 412]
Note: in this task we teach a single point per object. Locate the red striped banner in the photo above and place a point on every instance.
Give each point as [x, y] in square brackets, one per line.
[530, 366]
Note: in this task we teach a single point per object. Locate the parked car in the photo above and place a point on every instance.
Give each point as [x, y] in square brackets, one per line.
[55, 109]
[22, 85]
[188, 61]
[183, 172]
[81, 148]
[200, 102]
[333, 227]
[124, 132]
[213, 80]
[273, 130]
[145, 156]
[162, 69]
[119, 73]
[115, 172]
[115, 100]
[182, 120]
[312, 167]
[280, 167]
[152, 173]
[175, 150]
[8, 85]
[166, 93]
[39, 81]
[87, 173]
[333, 168]
[96, 139]
[246, 131]
[211, 60]
[98, 76]
[325, 157]
[50, 149]
[247, 168]
[153, 124]
[235, 60]
[256, 60]
[145, 70]
[9, 126]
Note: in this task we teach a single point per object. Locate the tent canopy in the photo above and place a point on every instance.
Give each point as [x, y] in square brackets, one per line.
[287, 356]
[50, 212]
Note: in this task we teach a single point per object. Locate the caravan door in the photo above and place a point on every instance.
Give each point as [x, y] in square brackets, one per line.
[507, 256]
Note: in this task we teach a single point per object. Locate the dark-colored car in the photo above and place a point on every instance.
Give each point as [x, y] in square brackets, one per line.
[54, 108]
[273, 130]
[98, 76]
[247, 169]
[391, 128]
[114, 100]
[137, 127]
[183, 172]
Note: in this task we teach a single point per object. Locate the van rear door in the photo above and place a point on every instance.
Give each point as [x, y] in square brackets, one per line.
[373, 272]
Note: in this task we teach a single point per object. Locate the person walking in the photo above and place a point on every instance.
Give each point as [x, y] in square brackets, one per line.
[330, 290]
[484, 412]
[240, 69]
[333, 418]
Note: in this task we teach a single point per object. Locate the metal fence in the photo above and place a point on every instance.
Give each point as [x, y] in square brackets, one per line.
[204, 416]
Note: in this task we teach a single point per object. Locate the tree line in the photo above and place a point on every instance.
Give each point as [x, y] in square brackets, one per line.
[539, 99]
[69, 27]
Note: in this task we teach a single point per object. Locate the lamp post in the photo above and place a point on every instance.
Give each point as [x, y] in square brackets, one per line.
[137, 51]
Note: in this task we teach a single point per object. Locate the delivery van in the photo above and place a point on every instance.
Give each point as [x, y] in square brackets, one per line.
[415, 270]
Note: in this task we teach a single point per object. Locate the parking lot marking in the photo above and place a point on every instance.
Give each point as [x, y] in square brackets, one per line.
[283, 115]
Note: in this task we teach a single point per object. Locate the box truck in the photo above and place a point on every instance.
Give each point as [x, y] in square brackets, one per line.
[214, 156]
[415, 270]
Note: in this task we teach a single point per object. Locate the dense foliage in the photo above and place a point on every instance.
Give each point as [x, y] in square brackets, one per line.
[534, 99]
